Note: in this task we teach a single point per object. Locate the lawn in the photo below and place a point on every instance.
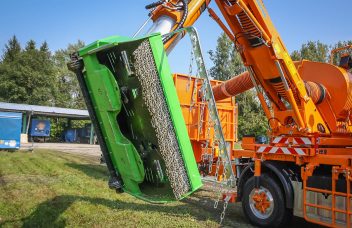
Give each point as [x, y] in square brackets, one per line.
[48, 188]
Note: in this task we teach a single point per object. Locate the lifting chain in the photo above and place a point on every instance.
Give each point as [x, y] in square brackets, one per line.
[226, 203]
[190, 70]
[207, 96]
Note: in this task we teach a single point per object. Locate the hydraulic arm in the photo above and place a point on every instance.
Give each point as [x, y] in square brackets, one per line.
[274, 74]
[299, 94]
[171, 15]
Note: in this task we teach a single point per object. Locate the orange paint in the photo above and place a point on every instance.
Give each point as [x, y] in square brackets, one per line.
[196, 116]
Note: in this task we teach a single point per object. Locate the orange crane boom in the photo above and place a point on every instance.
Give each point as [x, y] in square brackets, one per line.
[270, 67]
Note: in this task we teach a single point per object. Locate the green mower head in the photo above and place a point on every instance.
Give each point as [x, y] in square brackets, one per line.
[133, 103]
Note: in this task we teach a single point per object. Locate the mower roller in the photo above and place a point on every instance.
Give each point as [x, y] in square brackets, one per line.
[134, 106]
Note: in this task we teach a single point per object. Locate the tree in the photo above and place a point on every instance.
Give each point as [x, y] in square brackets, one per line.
[34, 76]
[44, 48]
[69, 93]
[317, 51]
[313, 51]
[12, 49]
[222, 58]
[296, 56]
[227, 63]
[251, 119]
[31, 46]
[27, 76]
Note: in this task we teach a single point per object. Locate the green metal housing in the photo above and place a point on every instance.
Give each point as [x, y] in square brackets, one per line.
[126, 128]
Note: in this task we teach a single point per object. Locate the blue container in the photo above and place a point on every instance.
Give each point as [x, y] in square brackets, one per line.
[71, 135]
[10, 130]
[40, 128]
[84, 132]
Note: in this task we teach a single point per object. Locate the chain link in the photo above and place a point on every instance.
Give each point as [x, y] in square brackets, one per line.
[190, 71]
[226, 203]
[194, 94]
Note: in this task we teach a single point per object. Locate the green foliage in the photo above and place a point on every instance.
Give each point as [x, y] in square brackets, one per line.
[296, 56]
[12, 49]
[251, 118]
[319, 52]
[31, 45]
[222, 59]
[79, 123]
[57, 127]
[35, 76]
[314, 51]
[228, 63]
[69, 94]
[27, 75]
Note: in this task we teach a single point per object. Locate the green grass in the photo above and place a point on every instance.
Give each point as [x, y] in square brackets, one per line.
[54, 189]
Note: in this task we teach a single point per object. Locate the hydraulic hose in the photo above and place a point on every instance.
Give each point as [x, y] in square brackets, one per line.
[233, 86]
[154, 4]
[182, 21]
[241, 83]
[316, 91]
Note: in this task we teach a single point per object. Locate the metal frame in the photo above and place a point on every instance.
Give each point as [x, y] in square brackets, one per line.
[208, 92]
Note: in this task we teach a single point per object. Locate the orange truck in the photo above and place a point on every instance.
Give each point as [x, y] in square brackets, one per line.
[305, 169]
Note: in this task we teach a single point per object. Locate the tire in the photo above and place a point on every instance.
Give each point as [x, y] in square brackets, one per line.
[275, 215]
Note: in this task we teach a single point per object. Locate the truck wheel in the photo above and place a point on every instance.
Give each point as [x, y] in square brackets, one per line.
[265, 206]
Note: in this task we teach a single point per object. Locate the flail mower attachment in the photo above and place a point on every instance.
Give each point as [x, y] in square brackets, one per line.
[134, 106]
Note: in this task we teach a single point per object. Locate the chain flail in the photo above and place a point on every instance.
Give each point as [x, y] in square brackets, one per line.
[154, 99]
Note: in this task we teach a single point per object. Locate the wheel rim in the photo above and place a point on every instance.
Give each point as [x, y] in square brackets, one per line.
[261, 203]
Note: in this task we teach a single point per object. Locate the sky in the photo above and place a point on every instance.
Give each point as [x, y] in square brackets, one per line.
[60, 22]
